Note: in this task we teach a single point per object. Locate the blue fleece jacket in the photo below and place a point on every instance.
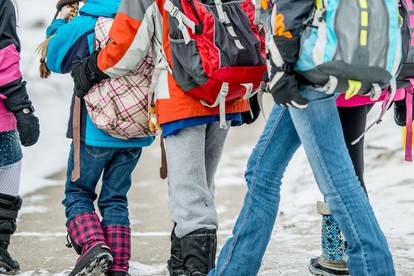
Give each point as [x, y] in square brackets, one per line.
[72, 41]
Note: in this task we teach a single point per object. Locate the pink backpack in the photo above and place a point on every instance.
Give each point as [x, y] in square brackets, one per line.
[119, 106]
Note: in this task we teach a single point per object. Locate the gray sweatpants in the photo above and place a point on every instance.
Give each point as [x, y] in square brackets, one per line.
[192, 157]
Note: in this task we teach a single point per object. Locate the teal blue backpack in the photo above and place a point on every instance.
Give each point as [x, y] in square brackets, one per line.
[341, 54]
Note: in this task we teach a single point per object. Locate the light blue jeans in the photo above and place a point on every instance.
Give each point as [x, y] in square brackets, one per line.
[318, 128]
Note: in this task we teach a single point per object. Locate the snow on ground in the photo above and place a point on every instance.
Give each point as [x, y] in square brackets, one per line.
[390, 181]
[135, 269]
[50, 97]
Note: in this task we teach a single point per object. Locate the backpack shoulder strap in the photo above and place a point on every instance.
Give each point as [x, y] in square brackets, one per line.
[182, 19]
[409, 121]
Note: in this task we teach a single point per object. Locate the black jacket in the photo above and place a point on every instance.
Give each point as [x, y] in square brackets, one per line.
[15, 89]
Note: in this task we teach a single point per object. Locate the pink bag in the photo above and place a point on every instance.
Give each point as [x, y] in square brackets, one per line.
[119, 106]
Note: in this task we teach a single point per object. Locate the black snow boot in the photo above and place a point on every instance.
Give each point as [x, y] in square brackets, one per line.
[9, 208]
[199, 252]
[175, 263]
[8, 266]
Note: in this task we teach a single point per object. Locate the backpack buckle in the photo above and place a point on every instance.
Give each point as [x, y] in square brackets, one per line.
[174, 12]
[288, 68]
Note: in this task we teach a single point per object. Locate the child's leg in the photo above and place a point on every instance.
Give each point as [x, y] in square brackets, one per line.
[243, 252]
[83, 224]
[10, 179]
[353, 121]
[10, 202]
[322, 137]
[113, 204]
[80, 195]
[333, 259]
[10, 164]
[192, 206]
[214, 149]
[191, 202]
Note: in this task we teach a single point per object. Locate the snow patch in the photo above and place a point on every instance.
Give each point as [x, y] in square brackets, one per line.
[30, 209]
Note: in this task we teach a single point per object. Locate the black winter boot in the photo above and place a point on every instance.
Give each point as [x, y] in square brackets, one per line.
[9, 207]
[199, 252]
[8, 266]
[175, 263]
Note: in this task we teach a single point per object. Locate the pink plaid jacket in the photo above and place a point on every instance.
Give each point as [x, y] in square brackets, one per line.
[119, 106]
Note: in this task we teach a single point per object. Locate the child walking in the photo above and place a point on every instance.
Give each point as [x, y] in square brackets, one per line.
[194, 133]
[104, 245]
[333, 260]
[17, 125]
[305, 116]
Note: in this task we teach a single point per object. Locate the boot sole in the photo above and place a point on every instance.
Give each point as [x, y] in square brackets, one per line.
[319, 272]
[5, 269]
[97, 267]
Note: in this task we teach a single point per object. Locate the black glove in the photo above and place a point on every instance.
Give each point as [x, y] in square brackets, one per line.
[28, 126]
[17, 97]
[19, 103]
[285, 92]
[85, 74]
[283, 85]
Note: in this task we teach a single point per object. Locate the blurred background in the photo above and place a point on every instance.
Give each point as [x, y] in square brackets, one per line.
[40, 241]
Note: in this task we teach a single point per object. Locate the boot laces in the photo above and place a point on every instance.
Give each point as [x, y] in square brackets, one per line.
[69, 243]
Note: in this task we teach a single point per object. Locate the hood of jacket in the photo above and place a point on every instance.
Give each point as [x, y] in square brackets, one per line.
[105, 8]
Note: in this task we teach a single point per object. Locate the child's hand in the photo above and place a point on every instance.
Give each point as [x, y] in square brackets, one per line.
[65, 12]
[85, 74]
[68, 12]
[28, 127]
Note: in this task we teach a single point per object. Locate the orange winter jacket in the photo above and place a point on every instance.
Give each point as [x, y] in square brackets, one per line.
[141, 25]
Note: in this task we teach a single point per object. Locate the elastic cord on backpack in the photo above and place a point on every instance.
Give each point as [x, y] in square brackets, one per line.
[389, 97]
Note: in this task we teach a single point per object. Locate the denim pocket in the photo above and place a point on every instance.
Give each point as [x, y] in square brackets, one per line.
[10, 150]
[96, 152]
[134, 153]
